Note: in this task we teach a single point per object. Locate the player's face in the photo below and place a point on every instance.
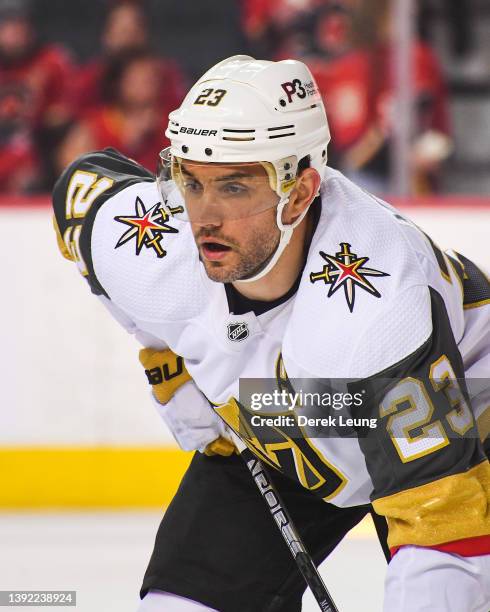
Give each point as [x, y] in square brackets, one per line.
[232, 209]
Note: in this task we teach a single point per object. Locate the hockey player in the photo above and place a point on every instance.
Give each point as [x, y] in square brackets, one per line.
[253, 260]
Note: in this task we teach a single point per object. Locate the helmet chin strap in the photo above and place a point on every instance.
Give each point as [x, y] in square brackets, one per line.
[286, 235]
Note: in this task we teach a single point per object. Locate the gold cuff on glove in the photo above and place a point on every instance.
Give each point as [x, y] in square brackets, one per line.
[166, 372]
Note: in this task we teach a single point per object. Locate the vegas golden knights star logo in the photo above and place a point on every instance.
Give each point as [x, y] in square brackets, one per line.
[148, 226]
[346, 270]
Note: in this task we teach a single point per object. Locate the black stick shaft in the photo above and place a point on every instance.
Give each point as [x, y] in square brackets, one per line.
[289, 532]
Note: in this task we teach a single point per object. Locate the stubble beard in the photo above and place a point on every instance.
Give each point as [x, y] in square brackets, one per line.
[250, 261]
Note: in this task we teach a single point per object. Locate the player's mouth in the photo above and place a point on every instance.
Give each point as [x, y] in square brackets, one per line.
[214, 250]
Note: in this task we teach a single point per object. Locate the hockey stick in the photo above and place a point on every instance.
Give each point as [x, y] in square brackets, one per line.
[287, 528]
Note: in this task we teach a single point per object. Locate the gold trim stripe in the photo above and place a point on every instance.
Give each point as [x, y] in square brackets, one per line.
[476, 304]
[90, 477]
[483, 424]
[61, 243]
[451, 508]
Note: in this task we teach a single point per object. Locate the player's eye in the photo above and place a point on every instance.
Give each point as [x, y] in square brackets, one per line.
[191, 186]
[234, 189]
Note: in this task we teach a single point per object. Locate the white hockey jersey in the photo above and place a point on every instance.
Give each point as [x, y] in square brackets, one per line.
[381, 313]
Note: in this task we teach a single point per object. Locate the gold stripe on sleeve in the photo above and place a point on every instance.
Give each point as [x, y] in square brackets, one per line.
[451, 508]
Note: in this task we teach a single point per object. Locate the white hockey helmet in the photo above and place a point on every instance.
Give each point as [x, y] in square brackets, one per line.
[248, 110]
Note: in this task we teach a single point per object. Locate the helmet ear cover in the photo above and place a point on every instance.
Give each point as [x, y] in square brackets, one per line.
[282, 174]
[176, 172]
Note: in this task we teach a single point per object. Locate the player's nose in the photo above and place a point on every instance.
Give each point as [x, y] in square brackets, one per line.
[210, 223]
[207, 213]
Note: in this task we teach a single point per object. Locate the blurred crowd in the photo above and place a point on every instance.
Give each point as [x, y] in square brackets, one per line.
[53, 109]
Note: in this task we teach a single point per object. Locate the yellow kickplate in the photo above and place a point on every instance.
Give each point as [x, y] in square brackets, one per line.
[90, 477]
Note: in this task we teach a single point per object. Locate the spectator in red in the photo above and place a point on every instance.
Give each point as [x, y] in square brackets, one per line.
[274, 27]
[331, 30]
[358, 93]
[132, 118]
[33, 95]
[41, 71]
[18, 160]
[125, 29]
[258, 15]
[296, 28]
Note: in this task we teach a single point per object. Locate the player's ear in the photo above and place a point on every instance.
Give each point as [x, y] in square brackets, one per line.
[304, 192]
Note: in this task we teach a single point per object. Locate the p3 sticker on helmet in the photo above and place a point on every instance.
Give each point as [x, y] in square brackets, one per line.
[297, 88]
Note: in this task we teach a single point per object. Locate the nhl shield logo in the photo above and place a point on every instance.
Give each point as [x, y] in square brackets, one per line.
[237, 331]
